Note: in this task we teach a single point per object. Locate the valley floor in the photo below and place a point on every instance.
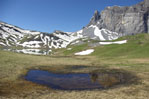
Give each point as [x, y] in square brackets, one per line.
[13, 66]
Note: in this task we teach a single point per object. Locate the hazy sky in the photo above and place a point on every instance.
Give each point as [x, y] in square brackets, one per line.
[50, 15]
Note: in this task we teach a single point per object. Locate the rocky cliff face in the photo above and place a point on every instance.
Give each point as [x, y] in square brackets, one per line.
[95, 18]
[125, 20]
[114, 22]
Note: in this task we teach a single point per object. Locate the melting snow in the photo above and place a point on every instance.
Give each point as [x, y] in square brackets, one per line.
[79, 33]
[98, 32]
[32, 44]
[33, 51]
[75, 42]
[69, 48]
[36, 37]
[116, 42]
[86, 52]
[111, 35]
[1, 43]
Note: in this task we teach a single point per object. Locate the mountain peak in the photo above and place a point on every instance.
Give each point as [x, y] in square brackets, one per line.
[95, 18]
[96, 12]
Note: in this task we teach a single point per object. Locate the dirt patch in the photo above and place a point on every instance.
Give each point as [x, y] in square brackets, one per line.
[20, 88]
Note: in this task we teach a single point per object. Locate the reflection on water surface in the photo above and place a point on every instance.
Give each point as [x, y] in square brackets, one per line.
[74, 81]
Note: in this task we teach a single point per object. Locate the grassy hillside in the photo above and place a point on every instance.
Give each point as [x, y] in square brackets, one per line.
[136, 47]
[75, 49]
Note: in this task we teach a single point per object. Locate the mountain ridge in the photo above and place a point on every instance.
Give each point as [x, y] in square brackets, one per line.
[14, 36]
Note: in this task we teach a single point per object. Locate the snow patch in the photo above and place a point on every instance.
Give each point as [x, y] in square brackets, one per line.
[101, 32]
[33, 51]
[36, 37]
[111, 35]
[75, 42]
[78, 34]
[86, 52]
[116, 42]
[97, 32]
[69, 48]
[1, 43]
[32, 44]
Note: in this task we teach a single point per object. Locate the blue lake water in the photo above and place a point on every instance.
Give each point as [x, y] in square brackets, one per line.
[70, 81]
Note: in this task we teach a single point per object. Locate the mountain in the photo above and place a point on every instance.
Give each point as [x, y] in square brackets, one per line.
[112, 23]
[124, 20]
[14, 36]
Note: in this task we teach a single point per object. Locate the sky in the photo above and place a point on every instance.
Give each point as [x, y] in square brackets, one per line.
[51, 15]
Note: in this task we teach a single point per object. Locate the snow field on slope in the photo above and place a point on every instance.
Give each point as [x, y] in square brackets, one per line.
[116, 42]
[31, 44]
[86, 52]
[33, 51]
[98, 32]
